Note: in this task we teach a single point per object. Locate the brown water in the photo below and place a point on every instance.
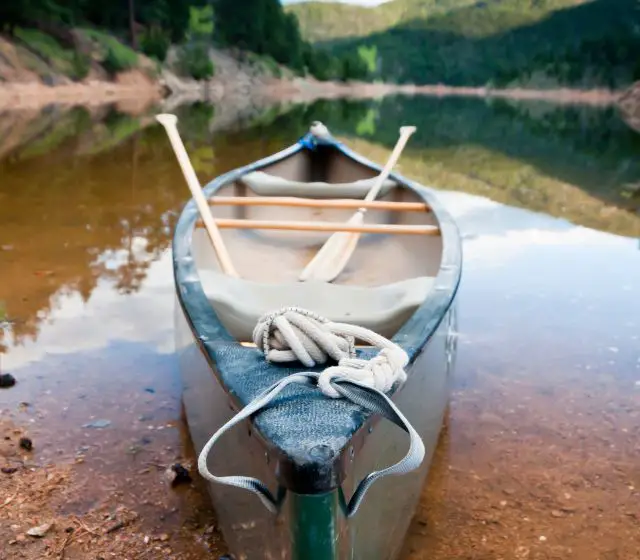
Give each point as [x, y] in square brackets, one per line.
[540, 458]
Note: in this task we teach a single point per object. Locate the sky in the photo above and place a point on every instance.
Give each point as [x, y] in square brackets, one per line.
[357, 2]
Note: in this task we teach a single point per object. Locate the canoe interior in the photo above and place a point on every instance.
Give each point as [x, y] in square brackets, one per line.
[279, 256]
[405, 264]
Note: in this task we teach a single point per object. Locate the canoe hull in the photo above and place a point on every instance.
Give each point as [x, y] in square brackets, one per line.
[311, 526]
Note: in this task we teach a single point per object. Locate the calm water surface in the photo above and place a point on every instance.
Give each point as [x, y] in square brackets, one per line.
[540, 458]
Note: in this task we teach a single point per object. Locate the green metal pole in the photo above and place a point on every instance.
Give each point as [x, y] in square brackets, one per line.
[314, 526]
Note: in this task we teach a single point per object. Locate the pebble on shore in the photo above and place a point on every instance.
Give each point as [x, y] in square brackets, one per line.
[7, 380]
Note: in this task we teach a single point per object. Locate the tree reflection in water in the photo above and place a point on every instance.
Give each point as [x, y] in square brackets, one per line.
[93, 195]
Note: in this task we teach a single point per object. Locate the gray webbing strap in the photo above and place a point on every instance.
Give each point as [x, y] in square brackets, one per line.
[368, 398]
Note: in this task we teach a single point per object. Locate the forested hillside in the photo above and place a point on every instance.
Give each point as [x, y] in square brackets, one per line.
[59, 31]
[324, 21]
[537, 43]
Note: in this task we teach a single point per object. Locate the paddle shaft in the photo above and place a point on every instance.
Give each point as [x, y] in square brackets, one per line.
[334, 255]
[170, 124]
[405, 134]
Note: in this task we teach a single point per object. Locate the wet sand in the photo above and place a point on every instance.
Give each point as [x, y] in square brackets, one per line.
[89, 505]
[539, 458]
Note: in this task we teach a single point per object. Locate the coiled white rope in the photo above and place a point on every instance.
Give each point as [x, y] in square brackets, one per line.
[297, 334]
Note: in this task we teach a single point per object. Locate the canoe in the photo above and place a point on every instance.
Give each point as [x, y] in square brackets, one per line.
[302, 461]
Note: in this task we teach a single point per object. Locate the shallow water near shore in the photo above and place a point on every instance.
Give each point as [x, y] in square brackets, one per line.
[539, 455]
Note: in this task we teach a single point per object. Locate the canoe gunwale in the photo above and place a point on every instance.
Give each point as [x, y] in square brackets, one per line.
[213, 339]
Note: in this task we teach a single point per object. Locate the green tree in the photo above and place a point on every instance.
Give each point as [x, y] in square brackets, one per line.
[264, 28]
[353, 67]
[370, 57]
[239, 28]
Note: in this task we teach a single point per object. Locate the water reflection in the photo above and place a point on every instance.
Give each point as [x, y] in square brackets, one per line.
[66, 219]
[575, 162]
[541, 446]
[546, 397]
[99, 205]
[74, 325]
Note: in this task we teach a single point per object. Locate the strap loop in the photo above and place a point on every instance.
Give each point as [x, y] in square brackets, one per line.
[368, 397]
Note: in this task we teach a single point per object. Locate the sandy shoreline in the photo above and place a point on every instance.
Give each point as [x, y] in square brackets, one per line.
[132, 87]
[563, 95]
[307, 89]
[141, 90]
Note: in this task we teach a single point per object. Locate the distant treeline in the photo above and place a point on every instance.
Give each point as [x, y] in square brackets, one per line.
[259, 26]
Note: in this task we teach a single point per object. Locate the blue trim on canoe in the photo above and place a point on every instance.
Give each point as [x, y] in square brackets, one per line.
[308, 432]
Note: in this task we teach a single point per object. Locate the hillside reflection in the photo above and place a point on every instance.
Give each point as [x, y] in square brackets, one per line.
[92, 196]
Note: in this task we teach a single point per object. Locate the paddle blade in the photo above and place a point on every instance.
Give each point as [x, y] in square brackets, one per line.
[333, 256]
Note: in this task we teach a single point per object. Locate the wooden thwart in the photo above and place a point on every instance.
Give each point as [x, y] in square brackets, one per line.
[251, 344]
[325, 226]
[317, 203]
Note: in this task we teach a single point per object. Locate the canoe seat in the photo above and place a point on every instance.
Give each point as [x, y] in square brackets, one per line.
[384, 309]
[266, 184]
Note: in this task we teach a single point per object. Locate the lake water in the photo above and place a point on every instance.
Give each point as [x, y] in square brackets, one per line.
[540, 456]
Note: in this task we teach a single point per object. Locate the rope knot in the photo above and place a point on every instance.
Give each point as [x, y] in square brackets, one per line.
[293, 333]
[297, 334]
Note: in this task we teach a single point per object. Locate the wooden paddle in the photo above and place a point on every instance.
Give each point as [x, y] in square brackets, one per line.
[170, 125]
[336, 252]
